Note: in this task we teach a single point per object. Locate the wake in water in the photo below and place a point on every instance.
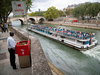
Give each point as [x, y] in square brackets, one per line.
[94, 52]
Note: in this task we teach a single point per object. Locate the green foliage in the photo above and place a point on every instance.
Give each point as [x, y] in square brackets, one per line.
[76, 12]
[88, 9]
[19, 15]
[68, 11]
[51, 13]
[6, 7]
[60, 13]
[33, 14]
[40, 13]
[29, 4]
[92, 9]
[79, 11]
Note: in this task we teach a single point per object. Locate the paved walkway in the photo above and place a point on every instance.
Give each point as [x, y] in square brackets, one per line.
[77, 23]
[5, 68]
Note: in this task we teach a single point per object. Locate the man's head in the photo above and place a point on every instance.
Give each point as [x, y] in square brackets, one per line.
[11, 34]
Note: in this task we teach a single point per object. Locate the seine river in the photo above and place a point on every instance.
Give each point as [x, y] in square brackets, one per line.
[68, 60]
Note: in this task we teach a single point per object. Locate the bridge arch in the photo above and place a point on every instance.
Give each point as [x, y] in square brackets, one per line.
[21, 21]
[41, 20]
[50, 19]
[32, 20]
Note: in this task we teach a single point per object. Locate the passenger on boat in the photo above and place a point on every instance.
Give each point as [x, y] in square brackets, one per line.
[64, 31]
[76, 35]
[69, 33]
[90, 41]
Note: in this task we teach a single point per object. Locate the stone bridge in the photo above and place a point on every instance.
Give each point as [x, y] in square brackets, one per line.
[33, 19]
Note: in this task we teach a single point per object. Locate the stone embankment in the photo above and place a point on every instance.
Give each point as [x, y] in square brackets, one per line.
[82, 25]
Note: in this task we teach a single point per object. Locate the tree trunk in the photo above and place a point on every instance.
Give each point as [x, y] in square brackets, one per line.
[5, 18]
[0, 18]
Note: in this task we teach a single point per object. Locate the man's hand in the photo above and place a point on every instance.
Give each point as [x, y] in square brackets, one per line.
[9, 48]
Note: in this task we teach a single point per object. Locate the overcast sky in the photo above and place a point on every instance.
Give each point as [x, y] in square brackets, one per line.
[59, 4]
[43, 5]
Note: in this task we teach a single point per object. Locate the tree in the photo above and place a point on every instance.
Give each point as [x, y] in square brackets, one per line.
[68, 11]
[79, 11]
[6, 8]
[61, 13]
[76, 12]
[88, 9]
[40, 13]
[33, 14]
[92, 9]
[51, 13]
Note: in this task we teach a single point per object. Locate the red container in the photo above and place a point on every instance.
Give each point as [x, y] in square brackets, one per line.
[16, 48]
[74, 20]
[22, 48]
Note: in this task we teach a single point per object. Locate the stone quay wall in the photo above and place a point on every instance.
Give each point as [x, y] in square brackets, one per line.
[75, 25]
[0, 29]
[39, 62]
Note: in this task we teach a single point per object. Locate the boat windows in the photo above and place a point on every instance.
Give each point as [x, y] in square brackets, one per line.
[62, 36]
[70, 39]
[79, 42]
[85, 42]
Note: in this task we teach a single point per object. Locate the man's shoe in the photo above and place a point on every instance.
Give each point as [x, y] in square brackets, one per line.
[15, 68]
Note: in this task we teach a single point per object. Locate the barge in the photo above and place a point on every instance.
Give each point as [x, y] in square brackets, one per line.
[78, 40]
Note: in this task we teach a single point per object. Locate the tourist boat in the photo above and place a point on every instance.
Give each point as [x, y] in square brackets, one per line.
[78, 40]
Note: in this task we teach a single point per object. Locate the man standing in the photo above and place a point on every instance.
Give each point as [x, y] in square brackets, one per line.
[11, 49]
[2, 27]
[6, 27]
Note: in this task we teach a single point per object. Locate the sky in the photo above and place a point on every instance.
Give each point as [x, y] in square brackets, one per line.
[43, 5]
[59, 4]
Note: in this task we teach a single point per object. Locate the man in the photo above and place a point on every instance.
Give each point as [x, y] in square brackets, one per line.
[2, 27]
[11, 49]
[6, 27]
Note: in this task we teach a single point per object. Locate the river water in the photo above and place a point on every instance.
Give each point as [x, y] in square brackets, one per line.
[68, 60]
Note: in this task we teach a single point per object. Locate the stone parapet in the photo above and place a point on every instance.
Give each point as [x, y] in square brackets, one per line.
[38, 60]
[81, 25]
[0, 29]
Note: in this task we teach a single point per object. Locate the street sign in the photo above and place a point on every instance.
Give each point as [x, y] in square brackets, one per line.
[19, 7]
